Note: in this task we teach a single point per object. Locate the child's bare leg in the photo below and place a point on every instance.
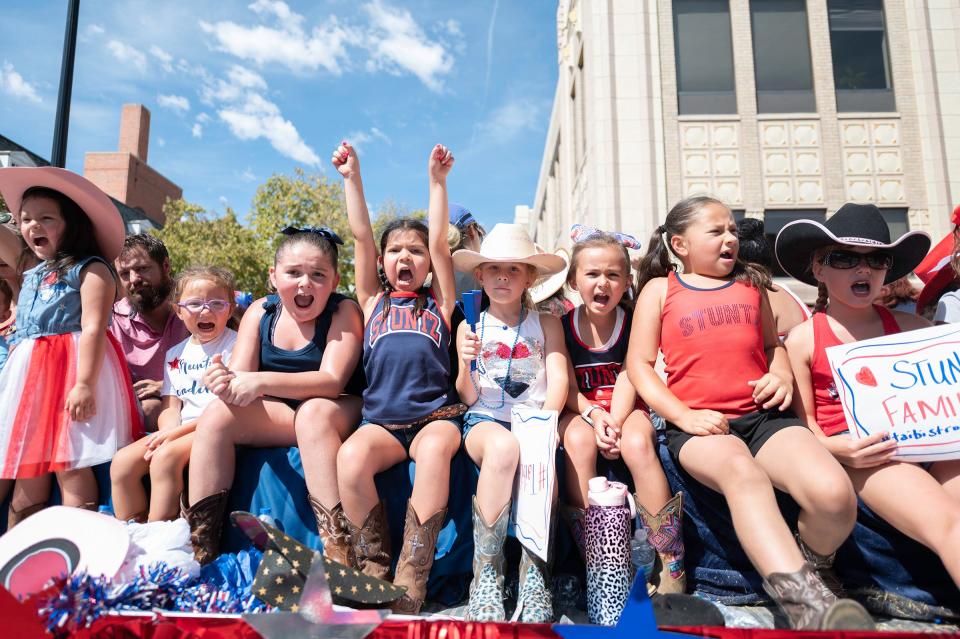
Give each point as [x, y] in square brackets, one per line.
[639, 450]
[126, 479]
[580, 456]
[948, 474]
[166, 477]
[223, 426]
[79, 488]
[798, 464]
[724, 463]
[497, 452]
[322, 425]
[27, 495]
[915, 503]
[370, 450]
[432, 449]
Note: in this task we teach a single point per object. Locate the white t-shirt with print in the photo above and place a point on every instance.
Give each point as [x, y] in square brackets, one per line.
[183, 370]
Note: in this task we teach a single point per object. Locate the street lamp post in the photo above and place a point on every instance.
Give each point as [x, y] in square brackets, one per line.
[58, 157]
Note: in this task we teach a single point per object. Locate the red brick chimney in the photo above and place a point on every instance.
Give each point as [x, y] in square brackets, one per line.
[125, 175]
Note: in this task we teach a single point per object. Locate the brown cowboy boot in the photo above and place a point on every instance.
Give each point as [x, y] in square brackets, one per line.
[206, 520]
[14, 517]
[809, 605]
[666, 536]
[334, 535]
[823, 564]
[416, 559]
[371, 543]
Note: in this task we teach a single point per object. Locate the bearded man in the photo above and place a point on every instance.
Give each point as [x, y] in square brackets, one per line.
[144, 322]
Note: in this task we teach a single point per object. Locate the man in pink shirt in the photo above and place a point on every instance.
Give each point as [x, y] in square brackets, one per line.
[144, 322]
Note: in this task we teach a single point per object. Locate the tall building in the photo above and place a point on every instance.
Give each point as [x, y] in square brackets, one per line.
[784, 109]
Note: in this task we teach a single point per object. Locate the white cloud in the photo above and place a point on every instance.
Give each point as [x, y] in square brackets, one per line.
[176, 103]
[161, 142]
[197, 129]
[125, 53]
[286, 43]
[452, 27]
[93, 30]
[248, 175]
[12, 83]
[360, 139]
[510, 119]
[256, 117]
[397, 43]
[165, 59]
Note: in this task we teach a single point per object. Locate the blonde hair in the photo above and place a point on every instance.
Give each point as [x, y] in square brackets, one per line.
[220, 276]
[525, 299]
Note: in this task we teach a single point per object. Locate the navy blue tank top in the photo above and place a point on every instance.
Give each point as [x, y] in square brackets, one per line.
[406, 360]
[278, 360]
[596, 370]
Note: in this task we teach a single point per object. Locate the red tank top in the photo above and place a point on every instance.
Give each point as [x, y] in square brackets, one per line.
[829, 411]
[712, 345]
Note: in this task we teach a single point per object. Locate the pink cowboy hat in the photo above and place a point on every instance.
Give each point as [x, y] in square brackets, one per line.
[106, 220]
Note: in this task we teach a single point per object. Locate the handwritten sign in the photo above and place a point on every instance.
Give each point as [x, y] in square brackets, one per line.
[907, 384]
[536, 430]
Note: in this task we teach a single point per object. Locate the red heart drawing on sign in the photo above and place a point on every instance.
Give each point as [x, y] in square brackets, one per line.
[865, 377]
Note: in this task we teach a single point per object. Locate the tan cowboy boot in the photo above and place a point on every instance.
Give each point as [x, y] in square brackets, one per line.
[666, 536]
[334, 535]
[416, 559]
[206, 521]
[809, 605]
[371, 543]
[14, 517]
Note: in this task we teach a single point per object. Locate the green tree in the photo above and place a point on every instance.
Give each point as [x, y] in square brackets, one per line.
[194, 236]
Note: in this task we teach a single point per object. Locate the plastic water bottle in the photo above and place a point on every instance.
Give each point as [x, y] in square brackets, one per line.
[265, 515]
[607, 539]
[642, 554]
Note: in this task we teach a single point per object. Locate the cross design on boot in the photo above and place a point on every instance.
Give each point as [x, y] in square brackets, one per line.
[415, 543]
[363, 546]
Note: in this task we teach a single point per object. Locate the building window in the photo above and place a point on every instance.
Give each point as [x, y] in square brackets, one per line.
[781, 56]
[704, 53]
[861, 61]
[896, 219]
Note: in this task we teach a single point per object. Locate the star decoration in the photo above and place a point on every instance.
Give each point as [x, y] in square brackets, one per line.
[353, 589]
[338, 590]
[279, 580]
[295, 563]
[279, 560]
[279, 599]
[343, 573]
[369, 587]
[266, 570]
[294, 608]
[295, 589]
[262, 592]
[174, 363]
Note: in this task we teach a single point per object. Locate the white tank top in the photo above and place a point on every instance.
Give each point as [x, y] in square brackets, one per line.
[523, 354]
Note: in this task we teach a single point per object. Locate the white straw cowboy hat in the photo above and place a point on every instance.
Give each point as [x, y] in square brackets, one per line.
[547, 287]
[508, 243]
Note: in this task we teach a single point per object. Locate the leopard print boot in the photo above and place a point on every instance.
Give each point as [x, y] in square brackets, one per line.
[486, 589]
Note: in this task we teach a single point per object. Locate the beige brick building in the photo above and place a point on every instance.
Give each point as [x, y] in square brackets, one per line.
[782, 108]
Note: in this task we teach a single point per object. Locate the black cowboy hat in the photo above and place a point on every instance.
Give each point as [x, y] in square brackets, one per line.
[852, 225]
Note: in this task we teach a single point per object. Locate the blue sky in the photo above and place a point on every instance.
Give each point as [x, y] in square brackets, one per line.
[238, 91]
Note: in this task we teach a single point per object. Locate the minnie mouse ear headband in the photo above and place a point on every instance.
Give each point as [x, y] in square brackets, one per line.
[107, 223]
[934, 270]
[852, 225]
[460, 216]
[323, 231]
[508, 243]
[582, 233]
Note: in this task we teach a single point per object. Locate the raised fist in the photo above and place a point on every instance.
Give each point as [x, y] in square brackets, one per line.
[441, 161]
[345, 160]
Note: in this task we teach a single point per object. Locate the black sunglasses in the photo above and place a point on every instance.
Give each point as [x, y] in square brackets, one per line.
[877, 260]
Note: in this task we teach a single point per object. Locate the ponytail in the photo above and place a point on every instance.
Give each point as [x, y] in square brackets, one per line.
[656, 262]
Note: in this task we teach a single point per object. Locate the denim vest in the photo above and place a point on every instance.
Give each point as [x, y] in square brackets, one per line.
[50, 304]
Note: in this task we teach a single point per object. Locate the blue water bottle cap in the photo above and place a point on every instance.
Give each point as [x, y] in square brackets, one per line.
[265, 511]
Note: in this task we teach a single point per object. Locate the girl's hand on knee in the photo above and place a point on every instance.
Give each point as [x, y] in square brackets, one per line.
[703, 422]
[345, 160]
[81, 403]
[470, 347]
[875, 450]
[770, 391]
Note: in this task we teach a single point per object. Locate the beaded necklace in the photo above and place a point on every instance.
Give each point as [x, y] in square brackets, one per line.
[482, 369]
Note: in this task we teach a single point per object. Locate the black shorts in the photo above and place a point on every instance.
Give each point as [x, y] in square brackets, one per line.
[753, 428]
